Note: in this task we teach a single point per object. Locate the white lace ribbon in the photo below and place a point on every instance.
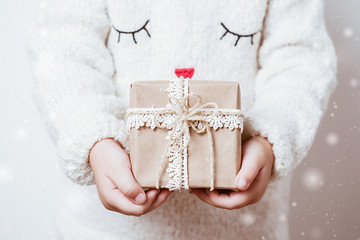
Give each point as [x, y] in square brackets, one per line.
[178, 117]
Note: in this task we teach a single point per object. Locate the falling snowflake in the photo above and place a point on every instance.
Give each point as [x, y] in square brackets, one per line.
[335, 105]
[332, 139]
[348, 32]
[6, 174]
[294, 204]
[312, 179]
[21, 133]
[354, 83]
[248, 219]
[316, 233]
[282, 217]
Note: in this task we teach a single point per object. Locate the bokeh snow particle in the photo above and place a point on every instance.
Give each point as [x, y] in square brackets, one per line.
[348, 32]
[354, 83]
[316, 233]
[21, 133]
[332, 139]
[282, 217]
[248, 219]
[312, 179]
[6, 174]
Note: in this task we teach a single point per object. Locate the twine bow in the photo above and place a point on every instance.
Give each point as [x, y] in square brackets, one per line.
[186, 117]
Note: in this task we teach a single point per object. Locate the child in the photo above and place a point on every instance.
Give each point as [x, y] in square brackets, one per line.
[85, 54]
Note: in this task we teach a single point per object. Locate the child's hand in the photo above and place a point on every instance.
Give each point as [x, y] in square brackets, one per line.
[256, 166]
[117, 188]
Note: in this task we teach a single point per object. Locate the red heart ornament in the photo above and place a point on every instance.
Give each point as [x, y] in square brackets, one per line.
[185, 72]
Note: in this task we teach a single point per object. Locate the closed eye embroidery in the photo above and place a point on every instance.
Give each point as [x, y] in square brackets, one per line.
[133, 32]
[238, 35]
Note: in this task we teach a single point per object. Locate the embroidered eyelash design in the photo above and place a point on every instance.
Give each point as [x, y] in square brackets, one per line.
[238, 35]
[133, 32]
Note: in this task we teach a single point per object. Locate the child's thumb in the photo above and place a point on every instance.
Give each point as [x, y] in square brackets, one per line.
[248, 172]
[128, 186]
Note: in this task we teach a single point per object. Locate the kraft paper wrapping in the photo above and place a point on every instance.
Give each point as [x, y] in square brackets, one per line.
[147, 146]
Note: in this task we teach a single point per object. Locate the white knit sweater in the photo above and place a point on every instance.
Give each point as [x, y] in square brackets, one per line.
[279, 51]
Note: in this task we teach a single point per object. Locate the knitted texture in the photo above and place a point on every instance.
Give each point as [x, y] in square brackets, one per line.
[85, 53]
[292, 88]
[74, 89]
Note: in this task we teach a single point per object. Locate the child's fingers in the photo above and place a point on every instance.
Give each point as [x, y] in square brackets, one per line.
[160, 199]
[217, 199]
[240, 199]
[228, 201]
[250, 167]
[124, 180]
[202, 195]
[118, 202]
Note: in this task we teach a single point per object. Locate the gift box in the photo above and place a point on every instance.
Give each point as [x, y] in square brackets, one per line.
[185, 133]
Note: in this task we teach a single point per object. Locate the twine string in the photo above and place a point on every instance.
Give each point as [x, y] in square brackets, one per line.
[185, 119]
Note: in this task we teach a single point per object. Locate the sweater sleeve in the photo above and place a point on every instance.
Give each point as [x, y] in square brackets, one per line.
[297, 75]
[73, 85]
